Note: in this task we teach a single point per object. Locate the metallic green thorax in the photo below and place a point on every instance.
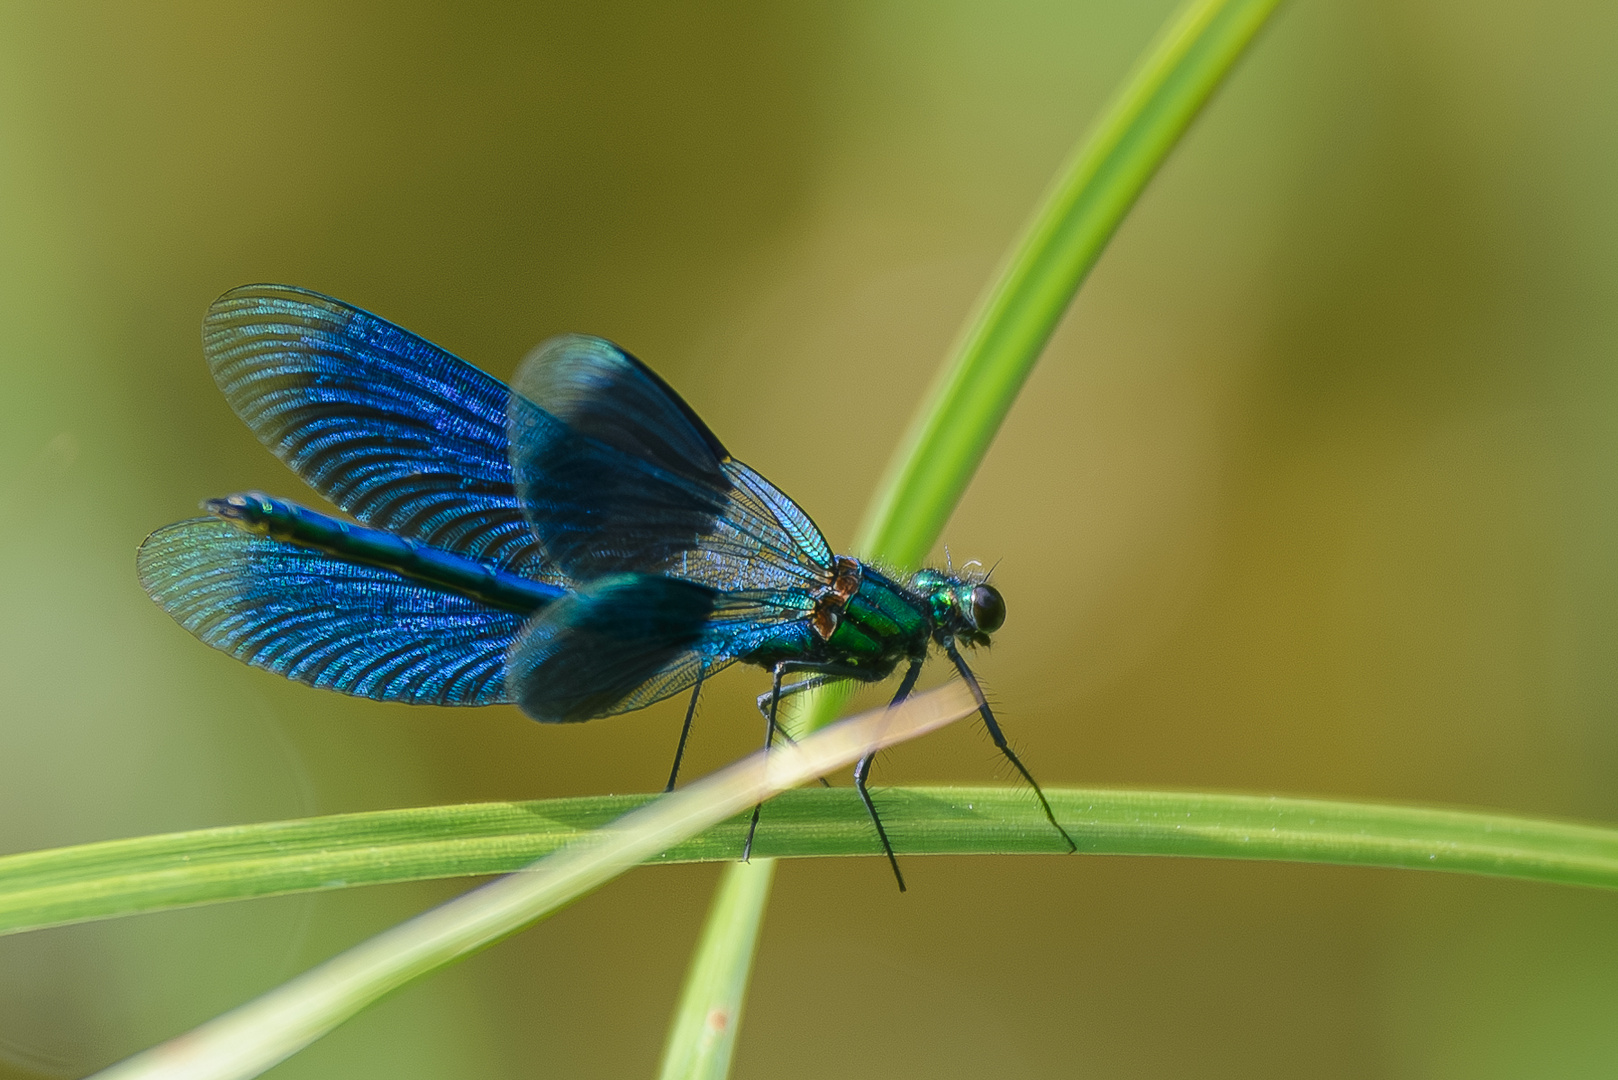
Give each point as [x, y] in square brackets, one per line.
[881, 624]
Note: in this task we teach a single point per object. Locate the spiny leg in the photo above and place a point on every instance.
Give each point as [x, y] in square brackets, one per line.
[790, 690]
[769, 735]
[685, 732]
[863, 770]
[1000, 740]
[830, 671]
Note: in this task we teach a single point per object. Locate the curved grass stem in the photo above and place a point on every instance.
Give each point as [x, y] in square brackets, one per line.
[1003, 339]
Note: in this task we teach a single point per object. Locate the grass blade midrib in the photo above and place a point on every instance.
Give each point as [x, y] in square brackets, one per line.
[117, 877]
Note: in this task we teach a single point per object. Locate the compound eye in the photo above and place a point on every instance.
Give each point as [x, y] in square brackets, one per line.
[988, 608]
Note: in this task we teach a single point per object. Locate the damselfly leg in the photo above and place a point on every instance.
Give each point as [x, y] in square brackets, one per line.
[822, 674]
[862, 772]
[685, 729]
[1000, 741]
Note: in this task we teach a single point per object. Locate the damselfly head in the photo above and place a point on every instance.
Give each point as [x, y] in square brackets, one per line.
[965, 608]
[988, 608]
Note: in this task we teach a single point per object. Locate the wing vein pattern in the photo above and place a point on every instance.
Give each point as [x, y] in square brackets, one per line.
[398, 432]
[327, 622]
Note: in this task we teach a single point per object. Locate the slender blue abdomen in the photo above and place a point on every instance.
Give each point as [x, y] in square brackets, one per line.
[264, 515]
[339, 606]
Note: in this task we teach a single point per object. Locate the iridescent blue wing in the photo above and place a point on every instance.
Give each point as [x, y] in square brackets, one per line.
[393, 429]
[326, 622]
[617, 474]
[626, 640]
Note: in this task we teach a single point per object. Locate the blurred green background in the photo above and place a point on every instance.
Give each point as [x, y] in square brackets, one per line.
[1315, 492]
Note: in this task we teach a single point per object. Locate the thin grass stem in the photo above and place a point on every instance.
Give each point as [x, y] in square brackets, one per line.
[1003, 339]
[700, 1044]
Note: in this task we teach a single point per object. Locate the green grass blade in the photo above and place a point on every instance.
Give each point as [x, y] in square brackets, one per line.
[1016, 317]
[156, 873]
[703, 1034]
[248, 1040]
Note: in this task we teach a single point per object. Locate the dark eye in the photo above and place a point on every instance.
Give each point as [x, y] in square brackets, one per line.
[988, 608]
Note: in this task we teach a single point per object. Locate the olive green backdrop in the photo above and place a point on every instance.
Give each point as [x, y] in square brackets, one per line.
[1315, 492]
